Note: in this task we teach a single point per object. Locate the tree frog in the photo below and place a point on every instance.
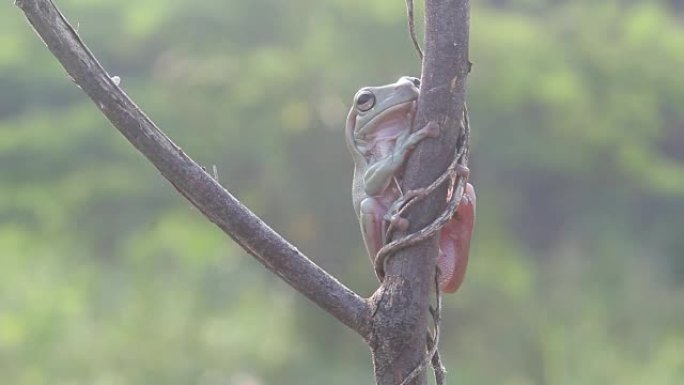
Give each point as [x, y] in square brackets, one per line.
[379, 137]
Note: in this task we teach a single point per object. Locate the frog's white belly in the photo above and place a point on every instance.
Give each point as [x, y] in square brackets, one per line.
[385, 137]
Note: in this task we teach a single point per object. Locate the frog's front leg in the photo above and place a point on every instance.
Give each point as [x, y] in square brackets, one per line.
[379, 175]
[430, 130]
[371, 215]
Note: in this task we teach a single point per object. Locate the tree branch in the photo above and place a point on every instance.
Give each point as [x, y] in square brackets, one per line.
[398, 338]
[190, 179]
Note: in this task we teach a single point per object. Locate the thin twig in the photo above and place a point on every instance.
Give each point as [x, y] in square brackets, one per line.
[412, 27]
[438, 368]
[433, 341]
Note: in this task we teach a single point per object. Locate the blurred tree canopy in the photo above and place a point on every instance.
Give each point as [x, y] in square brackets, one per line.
[108, 277]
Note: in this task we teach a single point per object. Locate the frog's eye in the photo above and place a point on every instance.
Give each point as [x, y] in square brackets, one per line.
[415, 81]
[365, 100]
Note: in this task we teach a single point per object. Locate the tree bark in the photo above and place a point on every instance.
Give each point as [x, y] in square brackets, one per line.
[400, 321]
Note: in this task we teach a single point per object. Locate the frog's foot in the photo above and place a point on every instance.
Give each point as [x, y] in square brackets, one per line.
[405, 198]
[399, 223]
[393, 213]
[430, 130]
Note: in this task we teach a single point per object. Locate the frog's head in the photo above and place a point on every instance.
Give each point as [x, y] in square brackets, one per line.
[375, 105]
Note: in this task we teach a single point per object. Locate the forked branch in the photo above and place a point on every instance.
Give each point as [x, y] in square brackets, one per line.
[396, 331]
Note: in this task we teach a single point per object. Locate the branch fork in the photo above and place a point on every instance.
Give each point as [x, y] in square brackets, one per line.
[394, 328]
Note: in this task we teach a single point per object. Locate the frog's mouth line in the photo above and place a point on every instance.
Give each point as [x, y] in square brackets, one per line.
[388, 114]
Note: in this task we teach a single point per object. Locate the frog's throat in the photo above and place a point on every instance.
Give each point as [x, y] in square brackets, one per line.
[370, 126]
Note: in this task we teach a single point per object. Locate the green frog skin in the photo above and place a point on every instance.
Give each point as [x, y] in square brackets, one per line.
[379, 138]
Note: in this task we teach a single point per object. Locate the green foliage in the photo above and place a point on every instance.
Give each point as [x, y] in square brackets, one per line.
[108, 277]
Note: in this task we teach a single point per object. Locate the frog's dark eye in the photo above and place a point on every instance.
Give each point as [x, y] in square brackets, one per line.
[365, 100]
[415, 81]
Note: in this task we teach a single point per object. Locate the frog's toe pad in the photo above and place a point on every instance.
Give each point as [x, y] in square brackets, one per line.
[400, 223]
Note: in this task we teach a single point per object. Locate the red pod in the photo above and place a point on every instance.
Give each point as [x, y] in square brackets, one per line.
[454, 243]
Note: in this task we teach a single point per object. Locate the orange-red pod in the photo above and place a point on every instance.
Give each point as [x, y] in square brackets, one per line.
[454, 243]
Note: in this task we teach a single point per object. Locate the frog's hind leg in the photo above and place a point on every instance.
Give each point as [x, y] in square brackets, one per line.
[371, 219]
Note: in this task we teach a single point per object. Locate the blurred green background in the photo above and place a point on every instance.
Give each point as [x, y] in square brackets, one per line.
[108, 277]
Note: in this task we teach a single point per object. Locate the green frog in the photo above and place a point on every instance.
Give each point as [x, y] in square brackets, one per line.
[379, 137]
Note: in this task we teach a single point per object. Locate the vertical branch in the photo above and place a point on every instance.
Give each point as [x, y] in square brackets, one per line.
[396, 333]
[400, 320]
